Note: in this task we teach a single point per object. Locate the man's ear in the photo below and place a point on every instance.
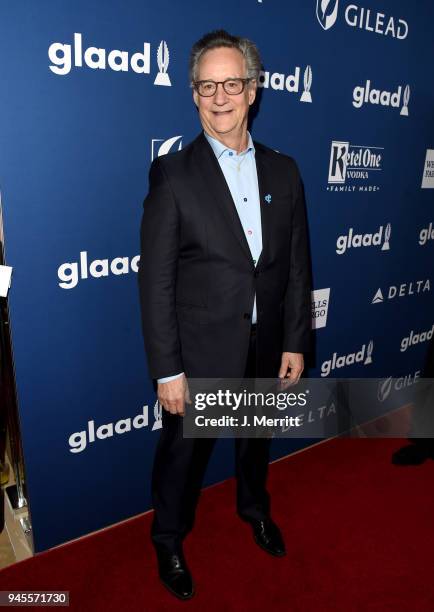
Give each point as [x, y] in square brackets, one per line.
[252, 91]
[195, 97]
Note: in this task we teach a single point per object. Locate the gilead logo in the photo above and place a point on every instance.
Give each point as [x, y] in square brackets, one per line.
[70, 273]
[63, 57]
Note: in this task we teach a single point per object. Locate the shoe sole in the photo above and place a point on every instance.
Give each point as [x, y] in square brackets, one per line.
[177, 595]
[274, 554]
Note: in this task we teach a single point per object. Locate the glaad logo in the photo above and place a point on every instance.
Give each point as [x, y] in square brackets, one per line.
[395, 384]
[360, 17]
[70, 273]
[320, 306]
[413, 338]
[427, 233]
[160, 147]
[351, 163]
[291, 82]
[402, 290]
[79, 440]
[346, 360]
[64, 56]
[363, 94]
[326, 12]
[363, 240]
[428, 171]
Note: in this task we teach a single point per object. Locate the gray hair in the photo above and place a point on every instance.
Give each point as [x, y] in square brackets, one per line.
[221, 38]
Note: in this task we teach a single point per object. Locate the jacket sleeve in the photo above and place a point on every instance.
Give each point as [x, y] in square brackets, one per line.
[297, 304]
[159, 237]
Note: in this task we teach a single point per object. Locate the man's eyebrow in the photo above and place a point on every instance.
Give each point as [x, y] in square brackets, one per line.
[226, 79]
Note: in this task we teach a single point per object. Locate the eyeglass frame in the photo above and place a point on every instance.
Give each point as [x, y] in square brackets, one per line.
[217, 83]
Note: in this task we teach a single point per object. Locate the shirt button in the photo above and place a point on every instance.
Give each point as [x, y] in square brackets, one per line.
[230, 153]
[245, 199]
[249, 232]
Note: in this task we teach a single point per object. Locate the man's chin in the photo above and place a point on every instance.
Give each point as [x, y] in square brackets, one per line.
[221, 128]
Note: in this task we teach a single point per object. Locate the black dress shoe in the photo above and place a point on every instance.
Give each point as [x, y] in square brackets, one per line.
[267, 535]
[175, 575]
[413, 454]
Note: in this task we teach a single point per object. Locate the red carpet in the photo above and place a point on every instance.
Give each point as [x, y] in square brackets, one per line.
[359, 533]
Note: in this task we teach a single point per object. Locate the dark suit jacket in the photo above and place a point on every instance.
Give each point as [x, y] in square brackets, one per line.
[196, 275]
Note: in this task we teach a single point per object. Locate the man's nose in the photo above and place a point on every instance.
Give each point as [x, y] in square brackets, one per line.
[220, 96]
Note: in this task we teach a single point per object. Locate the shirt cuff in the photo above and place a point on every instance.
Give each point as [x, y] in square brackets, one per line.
[168, 378]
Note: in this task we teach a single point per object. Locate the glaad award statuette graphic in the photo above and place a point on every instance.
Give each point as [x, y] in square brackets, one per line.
[406, 98]
[158, 422]
[388, 231]
[163, 57]
[306, 96]
[369, 353]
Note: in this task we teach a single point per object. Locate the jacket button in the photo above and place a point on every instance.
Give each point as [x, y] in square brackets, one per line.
[256, 273]
[247, 315]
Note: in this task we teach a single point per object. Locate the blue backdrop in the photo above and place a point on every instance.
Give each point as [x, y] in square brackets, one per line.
[346, 89]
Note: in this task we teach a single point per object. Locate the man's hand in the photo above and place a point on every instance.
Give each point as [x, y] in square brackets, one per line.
[293, 362]
[173, 394]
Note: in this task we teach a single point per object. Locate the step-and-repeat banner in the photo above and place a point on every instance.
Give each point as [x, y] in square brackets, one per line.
[92, 92]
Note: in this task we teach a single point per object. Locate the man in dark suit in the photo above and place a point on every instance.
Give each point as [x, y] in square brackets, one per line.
[225, 289]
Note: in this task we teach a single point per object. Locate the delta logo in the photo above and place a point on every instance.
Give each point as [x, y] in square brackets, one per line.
[402, 290]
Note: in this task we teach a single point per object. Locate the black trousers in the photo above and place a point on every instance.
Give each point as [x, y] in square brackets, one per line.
[179, 468]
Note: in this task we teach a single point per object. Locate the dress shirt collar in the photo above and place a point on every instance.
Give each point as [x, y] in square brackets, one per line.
[219, 148]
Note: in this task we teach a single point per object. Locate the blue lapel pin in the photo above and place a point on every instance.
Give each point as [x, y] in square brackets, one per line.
[267, 198]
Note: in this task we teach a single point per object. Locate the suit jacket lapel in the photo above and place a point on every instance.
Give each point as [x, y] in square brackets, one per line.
[215, 185]
[265, 189]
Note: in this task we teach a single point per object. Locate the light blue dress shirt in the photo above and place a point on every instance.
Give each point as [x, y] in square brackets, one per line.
[242, 179]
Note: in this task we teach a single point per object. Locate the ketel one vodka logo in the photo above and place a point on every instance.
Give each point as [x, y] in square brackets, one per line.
[64, 57]
[366, 94]
[363, 356]
[351, 167]
[352, 240]
[291, 82]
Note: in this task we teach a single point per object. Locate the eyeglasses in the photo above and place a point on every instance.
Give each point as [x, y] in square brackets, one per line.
[232, 87]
